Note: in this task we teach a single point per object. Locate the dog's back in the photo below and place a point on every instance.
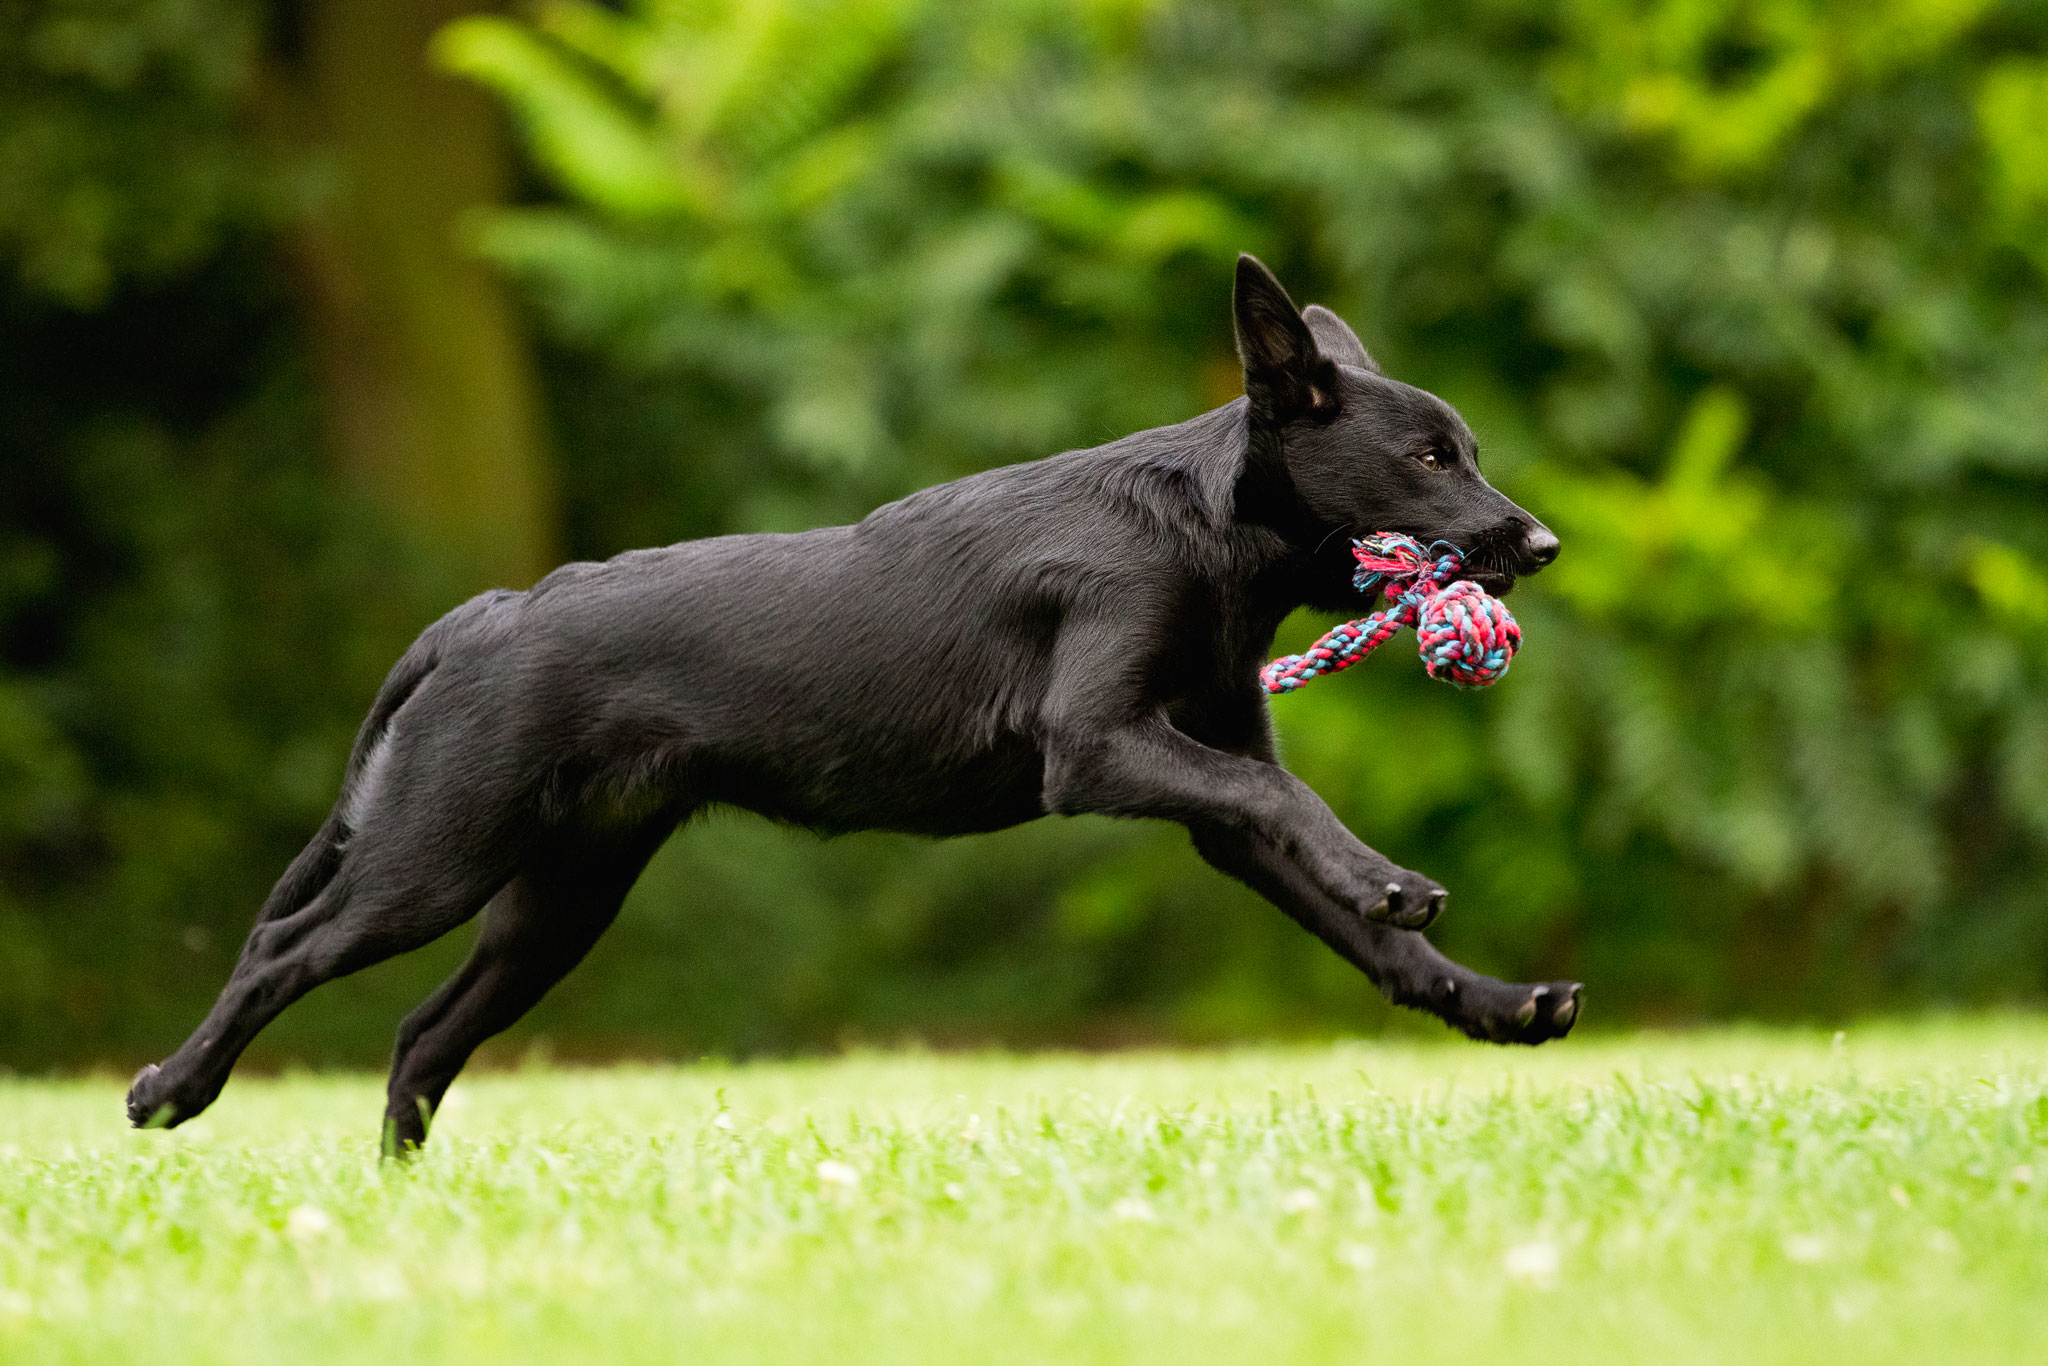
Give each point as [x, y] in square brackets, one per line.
[888, 674]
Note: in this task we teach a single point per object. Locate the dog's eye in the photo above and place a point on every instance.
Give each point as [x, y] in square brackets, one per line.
[1431, 460]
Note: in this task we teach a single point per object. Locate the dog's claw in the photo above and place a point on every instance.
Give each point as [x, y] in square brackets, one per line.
[1402, 909]
[1547, 1012]
[1565, 1014]
[1545, 1016]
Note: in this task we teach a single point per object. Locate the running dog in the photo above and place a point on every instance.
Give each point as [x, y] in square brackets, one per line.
[1076, 634]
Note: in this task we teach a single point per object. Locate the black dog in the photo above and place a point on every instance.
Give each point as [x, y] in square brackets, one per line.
[1076, 634]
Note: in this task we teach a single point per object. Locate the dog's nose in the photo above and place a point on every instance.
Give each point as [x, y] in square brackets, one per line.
[1540, 545]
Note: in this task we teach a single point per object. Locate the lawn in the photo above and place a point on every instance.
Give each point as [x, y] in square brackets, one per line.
[1726, 1197]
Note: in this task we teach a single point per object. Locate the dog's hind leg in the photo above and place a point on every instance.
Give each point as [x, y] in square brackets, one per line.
[1401, 963]
[534, 931]
[430, 861]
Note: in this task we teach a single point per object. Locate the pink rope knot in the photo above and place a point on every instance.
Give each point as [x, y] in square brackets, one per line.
[1466, 636]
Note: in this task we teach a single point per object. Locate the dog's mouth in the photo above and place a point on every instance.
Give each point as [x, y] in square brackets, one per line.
[1491, 563]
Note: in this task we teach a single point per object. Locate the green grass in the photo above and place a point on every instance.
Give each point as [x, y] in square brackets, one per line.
[1724, 1197]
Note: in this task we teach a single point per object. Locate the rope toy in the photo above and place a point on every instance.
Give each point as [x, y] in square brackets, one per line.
[1466, 635]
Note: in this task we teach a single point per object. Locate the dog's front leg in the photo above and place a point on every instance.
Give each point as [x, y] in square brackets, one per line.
[1146, 767]
[1406, 968]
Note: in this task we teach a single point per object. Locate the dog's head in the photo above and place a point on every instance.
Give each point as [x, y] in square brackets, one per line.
[1365, 453]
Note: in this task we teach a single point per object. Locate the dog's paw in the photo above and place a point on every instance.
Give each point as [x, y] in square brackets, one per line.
[1547, 1012]
[405, 1128]
[1407, 901]
[1492, 1011]
[148, 1104]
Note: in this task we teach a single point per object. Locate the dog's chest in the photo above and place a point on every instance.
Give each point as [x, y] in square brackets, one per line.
[1208, 679]
[1214, 645]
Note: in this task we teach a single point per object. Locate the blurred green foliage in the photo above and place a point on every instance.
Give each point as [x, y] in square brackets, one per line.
[1749, 300]
[119, 150]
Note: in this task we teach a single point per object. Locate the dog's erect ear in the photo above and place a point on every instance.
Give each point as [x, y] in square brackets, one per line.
[1336, 339]
[1285, 375]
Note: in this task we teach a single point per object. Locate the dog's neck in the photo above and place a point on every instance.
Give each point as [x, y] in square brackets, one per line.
[1301, 559]
[1275, 554]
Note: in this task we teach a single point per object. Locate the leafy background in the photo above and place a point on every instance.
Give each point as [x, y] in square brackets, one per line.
[316, 317]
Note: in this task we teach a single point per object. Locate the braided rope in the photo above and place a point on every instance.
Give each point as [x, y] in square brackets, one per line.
[1466, 635]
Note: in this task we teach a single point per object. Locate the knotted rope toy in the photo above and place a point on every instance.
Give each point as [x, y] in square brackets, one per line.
[1466, 635]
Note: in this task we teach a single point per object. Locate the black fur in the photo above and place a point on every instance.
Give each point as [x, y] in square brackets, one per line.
[1078, 634]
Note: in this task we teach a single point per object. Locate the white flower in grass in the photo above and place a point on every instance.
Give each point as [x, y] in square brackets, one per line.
[955, 1191]
[1300, 1200]
[722, 1120]
[838, 1175]
[971, 1135]
[1358, 1256]
[1805, 1248]
[1132, 1209]
[308, 1223]
[2022, 1176]
[1533, 1264]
